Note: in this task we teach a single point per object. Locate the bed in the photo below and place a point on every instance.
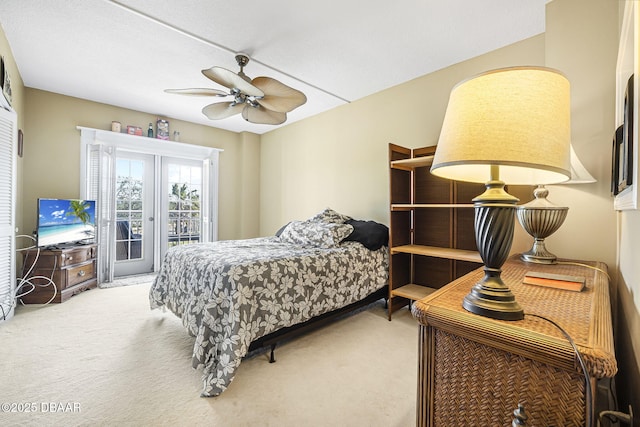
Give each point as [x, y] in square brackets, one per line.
[233, 295]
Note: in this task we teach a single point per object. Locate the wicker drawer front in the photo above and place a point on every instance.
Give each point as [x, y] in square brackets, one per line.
[80, 273]
[479, 385]
[473, 370]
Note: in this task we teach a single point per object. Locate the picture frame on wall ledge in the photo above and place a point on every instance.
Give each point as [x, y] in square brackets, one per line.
[615, 159]
[5, 82]
[626, 142]
[162, 129]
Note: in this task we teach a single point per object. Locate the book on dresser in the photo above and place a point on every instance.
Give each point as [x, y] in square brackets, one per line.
[557, 281]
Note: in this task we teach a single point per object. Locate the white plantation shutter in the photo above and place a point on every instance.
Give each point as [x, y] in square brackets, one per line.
[8, 138]
[99, 183]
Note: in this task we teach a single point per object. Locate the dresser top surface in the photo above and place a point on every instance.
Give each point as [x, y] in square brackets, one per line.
[585, 316]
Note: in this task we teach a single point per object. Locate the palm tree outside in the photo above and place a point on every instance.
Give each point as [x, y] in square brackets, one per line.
[184, 214]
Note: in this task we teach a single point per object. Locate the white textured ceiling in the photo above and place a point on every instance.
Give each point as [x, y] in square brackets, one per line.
[126, 52]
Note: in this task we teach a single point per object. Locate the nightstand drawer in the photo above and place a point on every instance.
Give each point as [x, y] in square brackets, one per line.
[80, 273]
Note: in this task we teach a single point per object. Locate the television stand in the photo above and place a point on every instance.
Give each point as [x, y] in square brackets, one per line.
[72, 269]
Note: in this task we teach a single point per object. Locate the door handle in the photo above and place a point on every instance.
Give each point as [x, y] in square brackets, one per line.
[150, 218]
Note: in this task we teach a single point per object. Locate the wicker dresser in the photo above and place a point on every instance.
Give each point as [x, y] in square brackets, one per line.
[474, 371]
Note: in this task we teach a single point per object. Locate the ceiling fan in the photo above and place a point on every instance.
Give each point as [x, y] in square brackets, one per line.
[262, 100]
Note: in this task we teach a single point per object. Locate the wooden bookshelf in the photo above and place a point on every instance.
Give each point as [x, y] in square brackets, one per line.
[439, 252]
[432, 240]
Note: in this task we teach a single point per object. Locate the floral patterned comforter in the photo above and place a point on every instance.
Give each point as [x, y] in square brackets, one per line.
[230, 293]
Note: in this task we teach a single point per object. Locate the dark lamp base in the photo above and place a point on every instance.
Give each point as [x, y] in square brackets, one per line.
[494, 222]
[491, 297]
[484, 303]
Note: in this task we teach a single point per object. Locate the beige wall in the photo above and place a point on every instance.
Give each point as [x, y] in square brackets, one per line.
[249, 189]
[52, 156]
[588, 59]
[339, 158]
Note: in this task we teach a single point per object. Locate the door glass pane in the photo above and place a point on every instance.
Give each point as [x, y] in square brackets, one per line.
[184, 214]
[129, 213]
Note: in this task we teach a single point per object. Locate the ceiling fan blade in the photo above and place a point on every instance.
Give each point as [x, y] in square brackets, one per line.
[261, 115]
[198, 92]
[278, 96]
[222, 110]
[229, 79]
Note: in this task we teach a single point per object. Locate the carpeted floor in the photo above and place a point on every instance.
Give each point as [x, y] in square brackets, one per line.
[104, 358]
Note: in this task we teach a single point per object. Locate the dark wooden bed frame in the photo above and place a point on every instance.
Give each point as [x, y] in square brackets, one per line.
[284, 334]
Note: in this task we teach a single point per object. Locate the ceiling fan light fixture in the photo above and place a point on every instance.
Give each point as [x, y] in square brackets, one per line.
[240, 98]
[263, 100]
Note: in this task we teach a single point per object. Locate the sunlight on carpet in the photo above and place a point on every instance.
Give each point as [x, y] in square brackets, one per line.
[138, 279]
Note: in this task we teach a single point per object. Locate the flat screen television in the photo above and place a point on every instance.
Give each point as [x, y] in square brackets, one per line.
[64, 222]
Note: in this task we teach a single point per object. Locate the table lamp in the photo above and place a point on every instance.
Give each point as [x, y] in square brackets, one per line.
[511, 126]
[541, 218]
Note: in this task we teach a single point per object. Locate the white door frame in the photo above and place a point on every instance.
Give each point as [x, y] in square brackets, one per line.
[146, 262]
[90, 180]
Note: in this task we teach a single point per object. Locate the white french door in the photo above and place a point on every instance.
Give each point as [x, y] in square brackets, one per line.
[134, 212]
[182, 202]
[151, 194]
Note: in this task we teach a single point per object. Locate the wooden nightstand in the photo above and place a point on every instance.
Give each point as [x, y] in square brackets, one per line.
[72, 269]
[474, 370]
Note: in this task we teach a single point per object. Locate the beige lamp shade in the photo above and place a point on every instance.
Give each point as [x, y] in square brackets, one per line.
[516, 118]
